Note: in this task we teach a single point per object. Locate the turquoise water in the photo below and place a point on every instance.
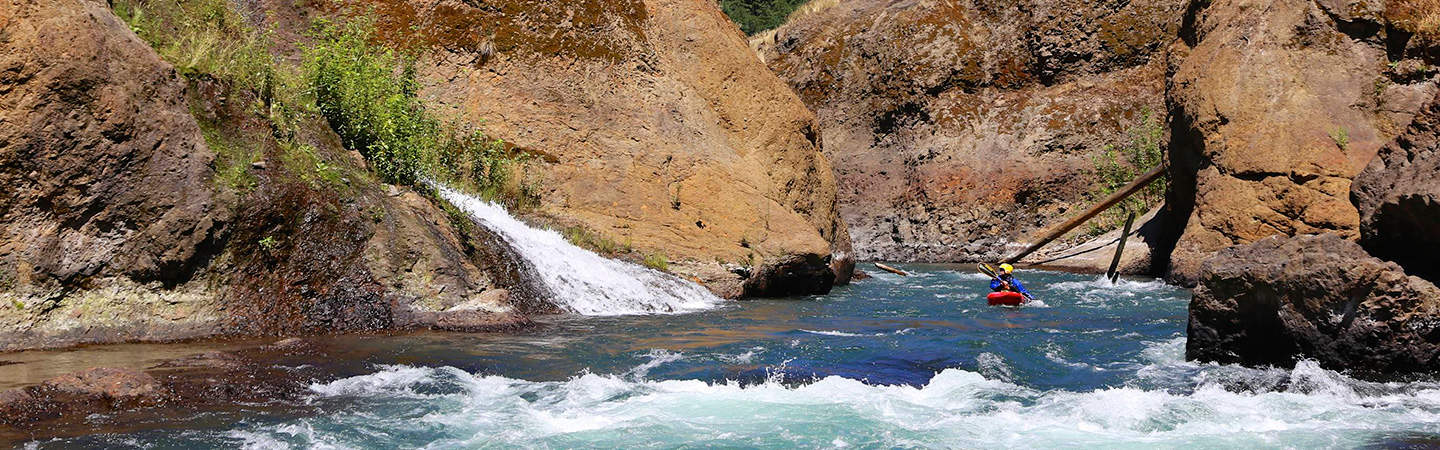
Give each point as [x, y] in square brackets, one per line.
[888, 362]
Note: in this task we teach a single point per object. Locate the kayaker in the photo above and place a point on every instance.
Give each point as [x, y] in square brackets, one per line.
[1006, 281]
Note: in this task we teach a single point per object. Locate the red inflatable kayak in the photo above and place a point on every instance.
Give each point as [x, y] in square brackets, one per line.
[1005, 298]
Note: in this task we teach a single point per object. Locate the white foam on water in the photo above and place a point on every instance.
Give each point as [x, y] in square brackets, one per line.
[957, 408]
[581, 281]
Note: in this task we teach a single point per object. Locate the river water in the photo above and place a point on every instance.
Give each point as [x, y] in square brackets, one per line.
[887, 362]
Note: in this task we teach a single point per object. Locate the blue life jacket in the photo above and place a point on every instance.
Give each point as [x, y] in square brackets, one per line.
[1014, 283]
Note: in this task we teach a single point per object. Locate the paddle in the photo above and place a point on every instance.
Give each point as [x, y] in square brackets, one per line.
[986, 269]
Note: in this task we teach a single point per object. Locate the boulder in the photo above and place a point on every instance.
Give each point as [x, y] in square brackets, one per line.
[105, 171]
[1398, 195]
[1276, 105]
[1317, 297]
[956, 128]
[657, 125]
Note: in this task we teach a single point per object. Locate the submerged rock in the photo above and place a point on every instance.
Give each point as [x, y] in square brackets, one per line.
[1398, 195]
[1318, 297]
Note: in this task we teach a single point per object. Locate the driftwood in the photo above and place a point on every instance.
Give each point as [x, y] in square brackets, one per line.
[1117, 197]
[891, 270]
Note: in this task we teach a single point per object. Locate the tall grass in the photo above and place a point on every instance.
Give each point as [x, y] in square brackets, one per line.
[202, 38]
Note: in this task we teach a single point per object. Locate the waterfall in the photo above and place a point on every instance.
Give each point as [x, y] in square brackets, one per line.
[578, 280]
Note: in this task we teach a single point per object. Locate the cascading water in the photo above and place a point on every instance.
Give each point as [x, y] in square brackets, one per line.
[580, 281]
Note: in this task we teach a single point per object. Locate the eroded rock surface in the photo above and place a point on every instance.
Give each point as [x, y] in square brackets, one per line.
[1315, 297]
[956, 127]
[113, 226]
[660, 127]
[1276, 106]
[1398, 195]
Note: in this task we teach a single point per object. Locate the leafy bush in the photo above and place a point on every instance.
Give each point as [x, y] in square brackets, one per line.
[754, 16]
[1116, 167]
[369, 95]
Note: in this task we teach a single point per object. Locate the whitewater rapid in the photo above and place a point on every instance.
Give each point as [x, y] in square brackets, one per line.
[578, 280]
[1204, 406]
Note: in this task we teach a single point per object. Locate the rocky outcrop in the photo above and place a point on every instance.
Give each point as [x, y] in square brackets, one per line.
[1276, 105]
[957, 126]
[115, 227]
[660, 129]
[1314, 297]
[1398, 196]
[106, 173]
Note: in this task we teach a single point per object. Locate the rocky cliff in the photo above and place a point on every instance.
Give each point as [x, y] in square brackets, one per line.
[1275, 107]
[154, 204]
[1398, 196]
[660, 130]
[956, 127]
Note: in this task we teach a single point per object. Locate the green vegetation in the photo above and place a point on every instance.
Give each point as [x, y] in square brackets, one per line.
[201, 38]
[584, 238]
[365, 92]
[754, 16]
[17, 304]
[269, 243]
[657, 261]
[1341, 138]
[369, 95]
[1118, 166]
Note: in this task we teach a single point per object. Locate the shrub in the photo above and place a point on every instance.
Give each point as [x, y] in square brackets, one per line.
[369, 95]
[754, 16]
[1116, 167]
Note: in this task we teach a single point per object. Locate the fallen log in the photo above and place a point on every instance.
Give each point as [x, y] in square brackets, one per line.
[891, 270]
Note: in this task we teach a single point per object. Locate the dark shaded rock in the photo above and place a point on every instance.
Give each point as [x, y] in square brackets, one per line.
[1398, 195]
[1321, 297]
[790, 276]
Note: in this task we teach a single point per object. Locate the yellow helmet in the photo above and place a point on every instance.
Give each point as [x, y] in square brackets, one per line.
[1007, 268]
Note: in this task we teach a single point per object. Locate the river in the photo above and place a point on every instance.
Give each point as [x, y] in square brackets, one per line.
[886, 362]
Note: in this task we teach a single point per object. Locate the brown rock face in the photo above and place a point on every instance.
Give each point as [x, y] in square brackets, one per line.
[957, 126]
[112, 227]
[1317, 297]
[664, 129]
[1276, 105]
[1398, 195]
[105, 172]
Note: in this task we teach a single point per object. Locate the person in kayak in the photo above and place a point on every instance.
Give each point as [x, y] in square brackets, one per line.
[1006, 282]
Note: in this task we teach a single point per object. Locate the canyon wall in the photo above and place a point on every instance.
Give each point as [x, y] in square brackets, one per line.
[658, 128]
[959, 127]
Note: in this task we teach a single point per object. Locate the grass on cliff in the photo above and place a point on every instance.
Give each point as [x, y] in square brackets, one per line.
[364, 91]
[1119, 165]
[1421, 17]
[369, 95]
